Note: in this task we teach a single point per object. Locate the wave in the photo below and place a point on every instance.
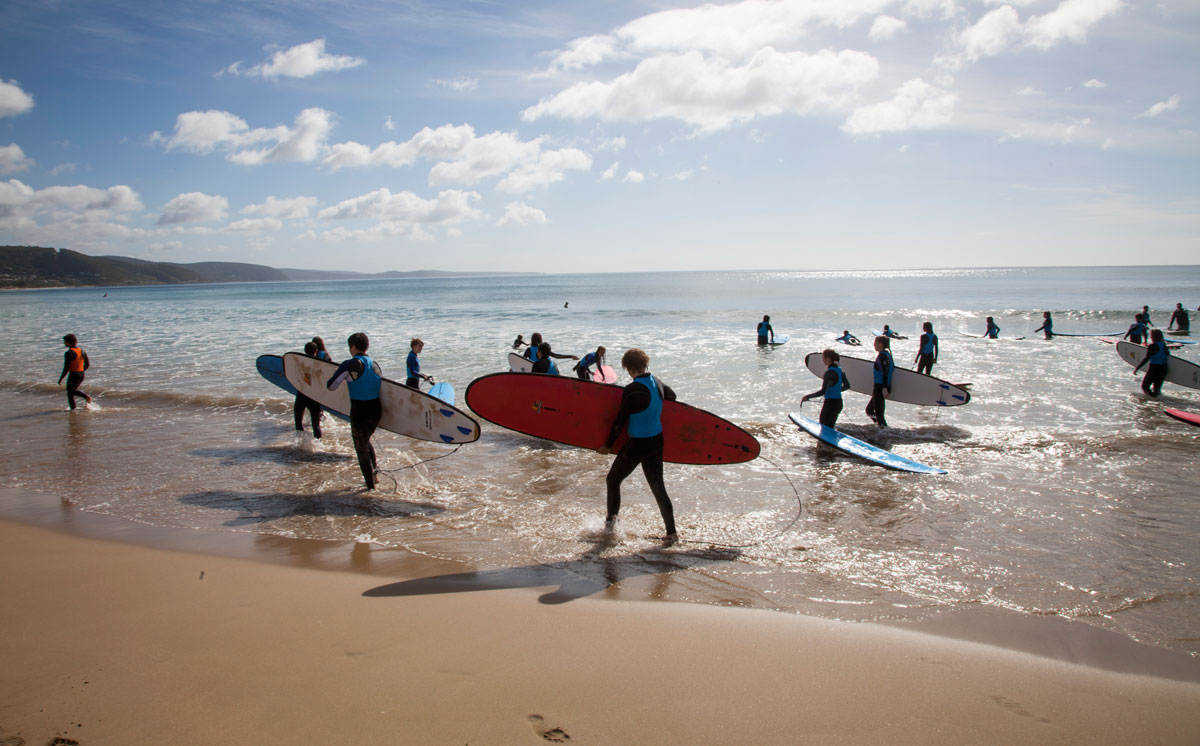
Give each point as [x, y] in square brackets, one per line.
[199, 400]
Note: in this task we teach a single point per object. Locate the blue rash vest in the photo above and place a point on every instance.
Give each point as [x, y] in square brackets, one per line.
[648, 422]
[1158, 353]
[879, 367]
[414, 365]
[366, 386]
[930, 341]
[762, 328]
[323, 355]
[835, 391]
[993, 331]
[531, 354]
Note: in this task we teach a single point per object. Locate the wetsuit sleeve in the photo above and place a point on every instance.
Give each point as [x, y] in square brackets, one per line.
[86, 363]
[68, 356]
[542, 365]
[668, 394]
[829, 379]
[555, 354]
[634, 399]
[348, 368]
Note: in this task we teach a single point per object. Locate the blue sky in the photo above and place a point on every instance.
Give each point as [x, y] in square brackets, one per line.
[576, 137]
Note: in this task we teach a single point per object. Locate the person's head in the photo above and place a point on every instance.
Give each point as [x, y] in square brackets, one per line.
[990, 320]
[600, 351]
[845, 332]
[520, 337]
[320, 343]
[1045, 314]
[417, 345]
[882, 343]
[69, 340]
[1179, 306]
[927, 326]
[310, 348]
[358, 341]
[535, 339]
[635, 361]
[544, 349]
[887, 328]
[1156, 335]
[766, 318]
[830, 357]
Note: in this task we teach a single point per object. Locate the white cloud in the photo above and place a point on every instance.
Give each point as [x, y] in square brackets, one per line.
[1161, 107]
[204, 131]
[13, 100]
[388, 124]
[610, 172]
[193, 207]
[63, 168]
[300, 61]
[916, 105]
[711, 93]
[284, 209]
[683, 175]
[255, 225]
[885, 27]
[992, 34]
[431, 144]
[549, 167]
[13, 160]
[1070, 21]
[1062, 132]
[1031, 91]
[613, 144]
[519, 213]
[1093, 83]
[66, 215]
[584, 52]
[460, 84]
[634, 177]
[451, 206]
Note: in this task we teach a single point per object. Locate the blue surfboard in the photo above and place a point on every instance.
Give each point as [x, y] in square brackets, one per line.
[270, 367]
[856, 447]
[443, 391]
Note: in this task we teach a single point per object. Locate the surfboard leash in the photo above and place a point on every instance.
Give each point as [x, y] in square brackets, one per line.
[389, 473]
[781, 532]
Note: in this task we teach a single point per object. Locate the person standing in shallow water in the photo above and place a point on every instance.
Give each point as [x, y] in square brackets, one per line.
[1047, 325]
[833, 383]
[882, 370]
[641, 414]
[364, 379]
[927, 350]
[75, 362]
[766, 335]
[304, 404]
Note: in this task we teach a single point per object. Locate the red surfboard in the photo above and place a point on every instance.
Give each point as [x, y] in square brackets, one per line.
[1190, 418]
[580, 413]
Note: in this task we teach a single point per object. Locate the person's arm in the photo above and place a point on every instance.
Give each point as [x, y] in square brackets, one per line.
[887, 376]
[348, 368]
[936, 348]
[827, 380]
[564, 357]
[1149, 353]
[68, 356]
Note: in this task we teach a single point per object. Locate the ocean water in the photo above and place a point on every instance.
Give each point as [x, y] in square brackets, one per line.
[1069, 492]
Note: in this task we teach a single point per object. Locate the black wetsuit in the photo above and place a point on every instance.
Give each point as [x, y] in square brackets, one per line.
[365, 415]
[645, 451]
[74, 377]
[833, 395]
[1180, 320]
[303, 403]
[883, 367]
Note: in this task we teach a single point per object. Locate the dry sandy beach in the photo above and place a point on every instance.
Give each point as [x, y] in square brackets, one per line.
[104, 642]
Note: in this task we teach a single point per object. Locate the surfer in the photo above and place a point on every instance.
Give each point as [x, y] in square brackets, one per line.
[415, 376]
[364, 381]
[766, 335]
[582, 368]
[75, 362]
[833, 383]
[534, 352]
[545, 360]
[641, 409]
[927, 350]
[322, 353]
[882, 369]
[519, 342]
[1047, 325]
[993, 331]
[304, 403]
[887, 332]
[1137, 330]
[1156, 354]
[847, 338]
[1179, 319]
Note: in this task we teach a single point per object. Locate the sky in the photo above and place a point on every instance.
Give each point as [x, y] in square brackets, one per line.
[564, 136]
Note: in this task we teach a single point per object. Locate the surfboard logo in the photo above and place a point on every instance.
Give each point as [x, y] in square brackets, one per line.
[537, 406]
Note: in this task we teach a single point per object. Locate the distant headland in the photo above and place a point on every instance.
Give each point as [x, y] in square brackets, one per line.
[41, 267]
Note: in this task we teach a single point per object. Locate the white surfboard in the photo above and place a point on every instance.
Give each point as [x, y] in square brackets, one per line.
[780, 339]
[519, 364]
[862, 449]
[908, 386]
[1179, 371]
[405, 411]
[984, 336]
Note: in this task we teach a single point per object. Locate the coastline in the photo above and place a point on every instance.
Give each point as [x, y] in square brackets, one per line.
[111, 639]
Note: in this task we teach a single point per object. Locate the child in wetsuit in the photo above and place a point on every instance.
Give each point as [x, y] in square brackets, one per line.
[833, 383]
[75, 362]
[364, 379]
[303, 403]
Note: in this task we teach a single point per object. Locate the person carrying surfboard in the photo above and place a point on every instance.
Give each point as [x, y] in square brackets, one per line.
[75, 362]
[1157, 355]
[833, 383]
[641, 414]
[766, 335]
[883, 367]
[927, 350]
[364, 379]
[303, 403]
[592, 358]
[415, 376]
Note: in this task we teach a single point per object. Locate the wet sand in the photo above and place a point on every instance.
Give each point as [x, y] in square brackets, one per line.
[106, 642]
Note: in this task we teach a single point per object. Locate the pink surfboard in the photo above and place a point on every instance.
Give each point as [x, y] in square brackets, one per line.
[605, 374]
[1191, 418]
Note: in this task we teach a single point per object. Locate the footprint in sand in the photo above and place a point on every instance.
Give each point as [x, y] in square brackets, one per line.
[553, 735]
